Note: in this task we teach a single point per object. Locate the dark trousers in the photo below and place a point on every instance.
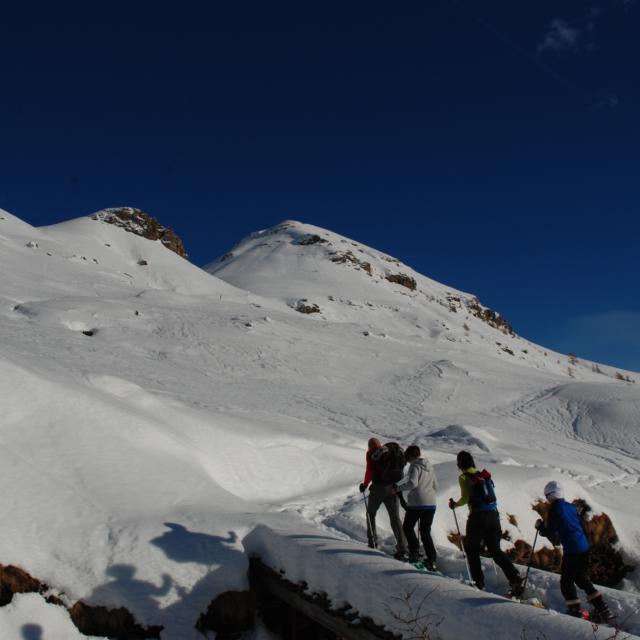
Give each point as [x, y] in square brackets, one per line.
[484, 527]
[383, 494]
[574, 571]
[425, 518]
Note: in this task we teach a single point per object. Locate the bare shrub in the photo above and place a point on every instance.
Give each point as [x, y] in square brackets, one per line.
[412, 618]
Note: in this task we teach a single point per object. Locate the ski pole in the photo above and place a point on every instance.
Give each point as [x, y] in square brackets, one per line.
[369, 527]
[526, 576]
[464, 555]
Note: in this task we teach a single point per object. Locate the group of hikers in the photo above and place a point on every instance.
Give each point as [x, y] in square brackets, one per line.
[388, 484]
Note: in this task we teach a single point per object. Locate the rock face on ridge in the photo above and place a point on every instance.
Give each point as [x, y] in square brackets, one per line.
[142, 224]
[317, 271]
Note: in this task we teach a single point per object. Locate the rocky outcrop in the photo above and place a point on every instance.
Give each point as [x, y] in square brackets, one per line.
[229, 614]
[16, 580]
[118, 624]
[112, 623]
[346, 257]
[312, 239]
[402, 279]
[489, 316]
[303, 307]
[142, 224]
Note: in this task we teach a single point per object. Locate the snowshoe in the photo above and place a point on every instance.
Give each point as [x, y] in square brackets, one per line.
[532, 602]
[578, 612]
[603, 616]
[402, 556]
[425, 568]
[516, 590]
[414, 557]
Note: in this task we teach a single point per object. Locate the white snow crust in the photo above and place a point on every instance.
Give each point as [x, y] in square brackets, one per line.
[154, 415]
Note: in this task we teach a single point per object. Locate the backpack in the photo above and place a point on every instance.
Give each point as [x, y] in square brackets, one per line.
[388, 463]
[483, 493]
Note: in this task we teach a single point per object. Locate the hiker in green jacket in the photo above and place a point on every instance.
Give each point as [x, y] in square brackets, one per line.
[483, 524]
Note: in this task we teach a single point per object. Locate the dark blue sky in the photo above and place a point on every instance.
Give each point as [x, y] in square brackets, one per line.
[492, 145]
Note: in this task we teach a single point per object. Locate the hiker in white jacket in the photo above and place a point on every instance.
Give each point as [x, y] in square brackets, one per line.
[420, 486]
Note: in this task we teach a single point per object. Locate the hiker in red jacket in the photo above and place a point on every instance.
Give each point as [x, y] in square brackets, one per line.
[384, 468]
[372, 445]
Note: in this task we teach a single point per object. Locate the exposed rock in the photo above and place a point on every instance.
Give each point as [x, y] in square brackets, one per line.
[113, 623]
[142, 263]
[303, 307]
[229, 614]
[492, 318]
[142, 224]
[32, 244]
[402, 279]
[118, 624]
[347, 257]
[16, 580]
[454, 302]
[53, 599]
[312, 239]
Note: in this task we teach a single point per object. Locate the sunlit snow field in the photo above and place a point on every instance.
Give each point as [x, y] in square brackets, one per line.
[138, 460]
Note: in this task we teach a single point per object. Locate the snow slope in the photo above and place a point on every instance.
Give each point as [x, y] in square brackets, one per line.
[376, 585]
[139, 457]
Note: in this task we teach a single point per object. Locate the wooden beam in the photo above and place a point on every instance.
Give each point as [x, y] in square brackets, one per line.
[264, 578]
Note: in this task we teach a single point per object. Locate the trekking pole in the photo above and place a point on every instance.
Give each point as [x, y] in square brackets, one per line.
[369, 527]
[464, 555]
[526, 576]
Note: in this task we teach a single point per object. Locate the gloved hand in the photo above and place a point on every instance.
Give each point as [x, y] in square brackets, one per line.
[363, 487]
[452, 503]
[539, 523]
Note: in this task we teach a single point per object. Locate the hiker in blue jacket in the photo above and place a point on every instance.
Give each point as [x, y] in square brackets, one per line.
[564, 527]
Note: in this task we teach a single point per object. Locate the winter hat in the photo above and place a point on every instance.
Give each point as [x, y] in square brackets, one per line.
[374, 444]
[553, 490]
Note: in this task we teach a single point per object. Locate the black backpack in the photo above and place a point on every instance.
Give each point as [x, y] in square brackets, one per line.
[482, 489]
[388, 463]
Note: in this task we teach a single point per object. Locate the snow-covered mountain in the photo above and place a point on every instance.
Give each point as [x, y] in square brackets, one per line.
[154, 413]
[337, 279]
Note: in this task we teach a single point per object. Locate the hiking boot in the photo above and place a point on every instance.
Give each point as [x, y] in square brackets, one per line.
[414, 556]
[601, 612]
[575, 610]
[401, 555]
[516, 588]
[430, 566]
